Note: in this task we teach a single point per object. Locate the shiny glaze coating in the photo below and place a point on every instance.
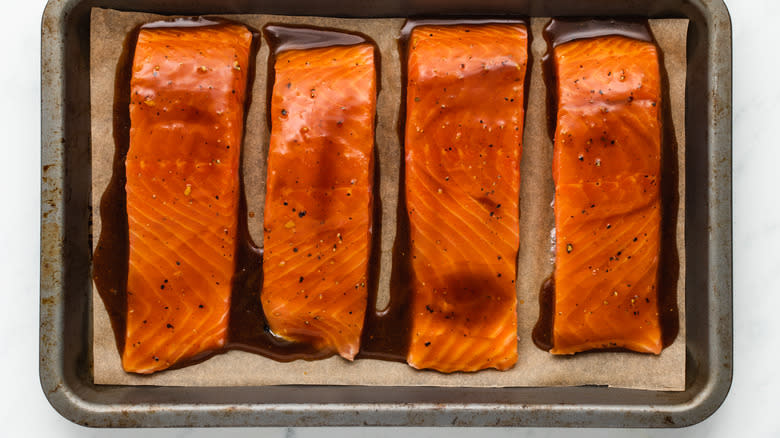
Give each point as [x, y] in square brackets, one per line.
[607, 199]
[318, 211]
[464, 130]
[186, 112]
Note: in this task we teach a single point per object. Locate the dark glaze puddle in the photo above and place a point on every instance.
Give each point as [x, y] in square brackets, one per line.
[561, 31]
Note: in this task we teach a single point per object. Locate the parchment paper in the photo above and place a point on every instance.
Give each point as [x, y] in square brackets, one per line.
[534, 367]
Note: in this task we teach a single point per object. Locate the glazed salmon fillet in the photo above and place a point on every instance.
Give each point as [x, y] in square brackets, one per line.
[186, 113]
[607, 159]
[464, 130]
[318, 205]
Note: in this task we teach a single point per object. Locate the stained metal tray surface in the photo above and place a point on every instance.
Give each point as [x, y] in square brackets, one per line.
[65, 302]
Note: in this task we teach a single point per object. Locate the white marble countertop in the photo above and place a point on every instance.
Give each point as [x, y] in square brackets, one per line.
[751, 407]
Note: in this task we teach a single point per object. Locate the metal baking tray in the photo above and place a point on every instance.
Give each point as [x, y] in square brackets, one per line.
[65, 327]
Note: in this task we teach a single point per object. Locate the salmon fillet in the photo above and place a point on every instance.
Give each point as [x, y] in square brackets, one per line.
[607, 200]
[464, 130]
[318, 205]
[186, 113]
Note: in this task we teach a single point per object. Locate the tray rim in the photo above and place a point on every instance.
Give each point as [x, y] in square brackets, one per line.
[63, 396]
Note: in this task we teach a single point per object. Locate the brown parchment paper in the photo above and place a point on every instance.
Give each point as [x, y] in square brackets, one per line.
[534, 367]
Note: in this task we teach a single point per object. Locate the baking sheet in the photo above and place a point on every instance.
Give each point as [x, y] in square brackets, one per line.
[534, 367]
